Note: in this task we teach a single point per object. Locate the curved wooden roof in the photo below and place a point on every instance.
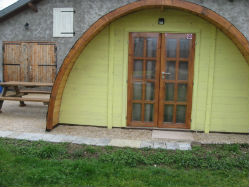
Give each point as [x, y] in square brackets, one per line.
[230, 30]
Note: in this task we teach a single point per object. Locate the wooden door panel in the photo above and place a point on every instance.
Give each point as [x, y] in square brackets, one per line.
[46, 74]
[42, 62]
[143, 84]
[176, 80]
[12, 73]
[13, 61]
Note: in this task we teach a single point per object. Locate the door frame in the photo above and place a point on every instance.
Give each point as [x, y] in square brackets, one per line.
[190, 93]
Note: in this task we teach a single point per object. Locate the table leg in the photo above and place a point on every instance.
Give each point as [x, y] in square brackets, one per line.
[5, 89]
[22, 104]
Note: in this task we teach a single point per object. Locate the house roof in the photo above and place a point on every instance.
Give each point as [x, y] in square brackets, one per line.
[4, 12]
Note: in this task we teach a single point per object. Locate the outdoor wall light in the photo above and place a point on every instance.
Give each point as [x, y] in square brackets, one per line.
[161, 21]
[26, 26]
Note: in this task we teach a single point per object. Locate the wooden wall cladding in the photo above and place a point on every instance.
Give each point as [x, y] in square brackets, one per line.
[224, 25]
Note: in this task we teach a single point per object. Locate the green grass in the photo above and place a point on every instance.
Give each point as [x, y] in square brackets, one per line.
[24, 163]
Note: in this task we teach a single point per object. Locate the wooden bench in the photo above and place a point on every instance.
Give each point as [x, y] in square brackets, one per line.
[44, 100]
[19, 92]
[35, 92]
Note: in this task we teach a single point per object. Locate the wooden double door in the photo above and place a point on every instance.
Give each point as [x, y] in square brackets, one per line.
[160, 80]
[29, 61]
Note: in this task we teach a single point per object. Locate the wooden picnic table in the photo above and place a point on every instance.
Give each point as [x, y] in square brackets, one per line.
[21, 89]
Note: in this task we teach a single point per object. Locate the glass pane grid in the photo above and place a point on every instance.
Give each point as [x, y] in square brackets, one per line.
[150, 69]
[151, 47]
[139, 47]
[182, 92]
[136, 111]
[170, 70]
[150, 91]
[181, 113]
[184, 48]
[171, 46]
[137, 90]
[183, 70]
[168, 113]
[149, 113]
[137, 69]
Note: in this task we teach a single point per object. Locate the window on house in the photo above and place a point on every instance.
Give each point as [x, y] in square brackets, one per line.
[63, 22]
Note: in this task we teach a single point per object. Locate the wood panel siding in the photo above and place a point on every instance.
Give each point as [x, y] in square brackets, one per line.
[230, 102]
[235, 35]
[88, 83]
[29, 61]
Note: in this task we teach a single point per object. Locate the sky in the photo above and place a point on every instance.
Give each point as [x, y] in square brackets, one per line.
[6, 3]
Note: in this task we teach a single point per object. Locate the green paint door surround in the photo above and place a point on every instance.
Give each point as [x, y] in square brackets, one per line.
[96, 90]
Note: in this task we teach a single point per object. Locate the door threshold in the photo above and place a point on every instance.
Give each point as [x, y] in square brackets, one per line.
[161, 129]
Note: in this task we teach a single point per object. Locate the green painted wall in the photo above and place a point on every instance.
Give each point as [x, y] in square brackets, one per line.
[85, 97]
[96, 91]
[230, 89]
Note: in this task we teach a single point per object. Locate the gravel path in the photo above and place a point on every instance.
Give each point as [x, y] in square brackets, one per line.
[32, 119]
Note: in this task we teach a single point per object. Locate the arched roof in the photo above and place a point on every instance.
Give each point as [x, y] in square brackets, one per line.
[220, 22]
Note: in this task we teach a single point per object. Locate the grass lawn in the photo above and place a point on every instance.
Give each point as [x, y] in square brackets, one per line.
[25, 163]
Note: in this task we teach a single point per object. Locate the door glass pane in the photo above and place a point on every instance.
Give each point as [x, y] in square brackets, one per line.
[169, 91]
[184, 48]
[151, 47]
[168, 113]
[170, 70]
[136, 111]
[138, 47]
[137, 90]
[148, 112]
[183, 71]
[149, 91]
[150, 69]
[182, 92]
[180, 113]
[171, 48]
[138, 69]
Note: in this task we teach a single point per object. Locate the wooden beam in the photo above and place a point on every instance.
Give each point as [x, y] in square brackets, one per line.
[33, 7]
[220, 22]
